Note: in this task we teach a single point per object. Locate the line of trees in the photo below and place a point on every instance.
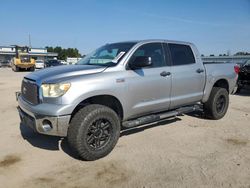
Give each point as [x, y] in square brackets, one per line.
[63, 53]
[236, 54]
[242, 53]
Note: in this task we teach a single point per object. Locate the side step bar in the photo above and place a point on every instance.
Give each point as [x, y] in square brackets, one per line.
[157, 117]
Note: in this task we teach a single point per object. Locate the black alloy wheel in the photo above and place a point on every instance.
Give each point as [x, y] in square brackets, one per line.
[220, 104]
[99, 133]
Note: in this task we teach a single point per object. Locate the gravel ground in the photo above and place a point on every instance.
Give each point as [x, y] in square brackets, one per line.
[187, 151]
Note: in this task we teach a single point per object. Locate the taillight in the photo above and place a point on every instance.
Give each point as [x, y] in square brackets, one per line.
[236, 69]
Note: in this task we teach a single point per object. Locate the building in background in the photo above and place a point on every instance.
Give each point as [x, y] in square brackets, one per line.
[73, 60]
[233, 59]
[8, 52]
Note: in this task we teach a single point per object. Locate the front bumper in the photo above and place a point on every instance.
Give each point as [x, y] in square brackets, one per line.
[39, 66]
[44, 124]
[25, 65]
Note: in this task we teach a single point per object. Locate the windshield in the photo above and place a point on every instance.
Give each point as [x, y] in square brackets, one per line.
[247, 63]
[108, 55]
[25, 58]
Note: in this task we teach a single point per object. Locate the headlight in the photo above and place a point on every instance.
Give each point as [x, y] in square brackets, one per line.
[55, 90]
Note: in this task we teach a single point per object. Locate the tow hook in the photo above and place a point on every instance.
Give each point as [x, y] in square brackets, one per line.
[17, 93]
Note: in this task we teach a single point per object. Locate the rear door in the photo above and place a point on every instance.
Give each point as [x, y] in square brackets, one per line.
[149, 88]
[188, 75]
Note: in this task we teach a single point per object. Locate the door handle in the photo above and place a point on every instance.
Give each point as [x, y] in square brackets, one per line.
[164, 74]
[199, 70]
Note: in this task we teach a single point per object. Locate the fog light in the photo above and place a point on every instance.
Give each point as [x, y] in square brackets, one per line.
[47, 125]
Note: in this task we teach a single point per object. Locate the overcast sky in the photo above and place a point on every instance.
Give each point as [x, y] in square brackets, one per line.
[215, 26]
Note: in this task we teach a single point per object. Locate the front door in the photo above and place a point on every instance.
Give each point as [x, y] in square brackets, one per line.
[149, 88]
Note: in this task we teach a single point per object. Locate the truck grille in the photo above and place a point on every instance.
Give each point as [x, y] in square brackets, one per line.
[29, 91]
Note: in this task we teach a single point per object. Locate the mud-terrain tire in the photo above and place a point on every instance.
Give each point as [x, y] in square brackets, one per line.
[93, 132]
[15, 68]
[217, 104]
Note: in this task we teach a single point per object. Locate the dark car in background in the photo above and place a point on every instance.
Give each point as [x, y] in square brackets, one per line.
[52, 63]
[244, 75]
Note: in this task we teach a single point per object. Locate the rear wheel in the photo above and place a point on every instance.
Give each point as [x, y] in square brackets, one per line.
[217, 104]
[94, 131]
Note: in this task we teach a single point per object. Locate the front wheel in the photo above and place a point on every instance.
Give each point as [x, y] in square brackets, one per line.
[94, 131]
[217, 104]
[15, 68]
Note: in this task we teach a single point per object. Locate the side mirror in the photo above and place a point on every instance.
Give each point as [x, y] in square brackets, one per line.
[140, 62]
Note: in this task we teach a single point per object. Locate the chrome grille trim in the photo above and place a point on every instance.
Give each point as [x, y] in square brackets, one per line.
[30, 91]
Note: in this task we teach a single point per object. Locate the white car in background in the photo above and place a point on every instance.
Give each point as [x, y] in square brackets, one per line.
[39, 64]
[63, 62]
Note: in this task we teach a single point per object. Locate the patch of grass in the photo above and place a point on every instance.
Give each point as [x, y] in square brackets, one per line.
[45, 179]
[9, 160]
[234, 141]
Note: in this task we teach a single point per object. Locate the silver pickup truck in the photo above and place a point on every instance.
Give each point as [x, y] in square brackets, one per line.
[122, 85]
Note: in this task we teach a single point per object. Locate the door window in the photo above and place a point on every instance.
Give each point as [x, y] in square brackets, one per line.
[152, 50]
[181, 54]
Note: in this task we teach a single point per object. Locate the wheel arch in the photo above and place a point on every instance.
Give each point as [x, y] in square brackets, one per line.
[106, 100]
[223, 83]
[220, 82]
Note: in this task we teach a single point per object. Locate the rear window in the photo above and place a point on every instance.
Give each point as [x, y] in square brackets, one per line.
[181, 54]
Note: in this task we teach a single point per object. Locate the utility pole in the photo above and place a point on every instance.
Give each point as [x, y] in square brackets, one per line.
[29, 41]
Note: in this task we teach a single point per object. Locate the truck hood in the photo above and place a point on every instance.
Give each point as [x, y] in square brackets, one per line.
[61, 72]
